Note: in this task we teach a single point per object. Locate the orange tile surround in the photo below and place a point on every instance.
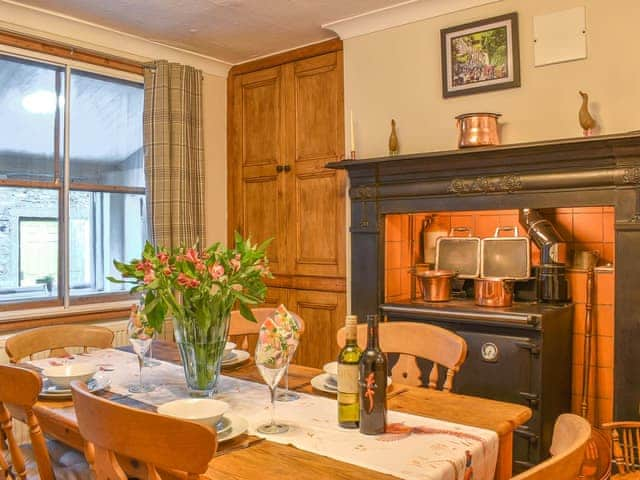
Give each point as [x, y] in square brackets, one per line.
[583, 228]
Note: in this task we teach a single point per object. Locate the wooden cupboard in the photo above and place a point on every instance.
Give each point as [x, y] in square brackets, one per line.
[286, 121]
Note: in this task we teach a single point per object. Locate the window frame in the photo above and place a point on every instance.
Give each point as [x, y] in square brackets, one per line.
[64, 186]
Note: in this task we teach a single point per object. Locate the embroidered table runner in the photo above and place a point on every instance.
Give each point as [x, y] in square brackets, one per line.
[420, 448]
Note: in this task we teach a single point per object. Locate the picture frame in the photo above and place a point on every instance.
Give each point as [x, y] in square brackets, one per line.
[480, 56]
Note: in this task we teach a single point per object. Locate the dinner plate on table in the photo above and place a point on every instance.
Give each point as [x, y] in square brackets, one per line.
[238, 424]
[236, 357]
[324, 383]
[52, 392]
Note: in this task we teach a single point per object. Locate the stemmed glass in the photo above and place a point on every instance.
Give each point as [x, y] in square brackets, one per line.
[287, 395]
[140, 335]
[274, 350]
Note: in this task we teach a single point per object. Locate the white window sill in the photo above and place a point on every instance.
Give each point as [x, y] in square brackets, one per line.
[57, 312]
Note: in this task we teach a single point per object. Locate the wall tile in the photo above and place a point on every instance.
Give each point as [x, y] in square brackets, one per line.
[393, 255]
[587, 227]
[486, 225]
[604, 320]
[578, 285]
[604, 288]
[393, 226]
[608, 227]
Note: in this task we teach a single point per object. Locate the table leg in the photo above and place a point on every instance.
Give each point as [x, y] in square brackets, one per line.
[505, 457]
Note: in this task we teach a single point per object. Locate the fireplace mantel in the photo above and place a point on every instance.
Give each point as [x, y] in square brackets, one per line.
[593, 171]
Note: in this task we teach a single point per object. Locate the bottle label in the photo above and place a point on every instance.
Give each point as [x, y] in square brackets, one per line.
[347, 378]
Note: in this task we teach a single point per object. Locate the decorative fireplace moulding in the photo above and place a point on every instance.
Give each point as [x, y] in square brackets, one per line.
[593, 171]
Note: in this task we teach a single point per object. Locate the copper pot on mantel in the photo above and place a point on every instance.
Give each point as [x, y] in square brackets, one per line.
[477, 129]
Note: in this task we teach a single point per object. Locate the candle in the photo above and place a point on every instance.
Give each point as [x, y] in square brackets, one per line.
[353, 138]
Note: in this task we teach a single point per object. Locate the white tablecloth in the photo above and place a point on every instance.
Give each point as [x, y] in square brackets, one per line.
[435, 450]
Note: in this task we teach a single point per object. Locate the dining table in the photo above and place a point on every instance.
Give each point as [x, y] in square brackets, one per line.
[248, 456]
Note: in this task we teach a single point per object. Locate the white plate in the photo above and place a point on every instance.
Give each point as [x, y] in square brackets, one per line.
[239, 356]
[50, 391]
[321, 382]
[223, 425]
[239, 425]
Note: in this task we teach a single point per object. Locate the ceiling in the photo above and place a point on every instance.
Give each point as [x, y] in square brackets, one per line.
[233, 31]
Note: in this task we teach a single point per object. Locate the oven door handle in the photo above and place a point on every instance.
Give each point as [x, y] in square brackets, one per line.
[533, 348]
[532, 398]
[531, 437]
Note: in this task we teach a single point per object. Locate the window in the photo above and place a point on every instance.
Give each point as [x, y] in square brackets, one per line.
[67, 209]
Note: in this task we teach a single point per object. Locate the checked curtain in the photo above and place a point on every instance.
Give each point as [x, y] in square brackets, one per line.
[173, 153]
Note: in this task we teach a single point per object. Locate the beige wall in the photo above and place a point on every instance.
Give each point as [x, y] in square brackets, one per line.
[41, 24]
[215, 152]
[396, 74]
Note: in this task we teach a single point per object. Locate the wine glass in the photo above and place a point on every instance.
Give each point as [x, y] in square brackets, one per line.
[271, 377]
[272, 358]
[140, 335]
[287, 395]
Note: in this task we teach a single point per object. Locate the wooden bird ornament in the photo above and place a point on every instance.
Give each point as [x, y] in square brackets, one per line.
[393, 139]
[587, 122]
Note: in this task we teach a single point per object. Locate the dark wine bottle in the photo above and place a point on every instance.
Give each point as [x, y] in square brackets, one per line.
[373, 383]
[348, 389]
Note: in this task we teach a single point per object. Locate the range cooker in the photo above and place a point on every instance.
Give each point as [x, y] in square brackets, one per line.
[520, 354]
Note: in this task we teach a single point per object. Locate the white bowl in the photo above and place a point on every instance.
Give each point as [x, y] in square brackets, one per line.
[61, 376]
[228, 348]
[331, 369]
[205, 411]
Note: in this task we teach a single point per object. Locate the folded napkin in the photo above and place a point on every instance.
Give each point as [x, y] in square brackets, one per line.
[278, 339]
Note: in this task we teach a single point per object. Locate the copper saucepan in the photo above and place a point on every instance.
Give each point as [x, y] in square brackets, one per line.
[436, 284]
[477, 129]
[493, 292]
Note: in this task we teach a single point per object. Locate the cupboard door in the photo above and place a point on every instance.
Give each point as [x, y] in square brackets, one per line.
[257, 146]
[275, 297]
[315, 136]
[323, 314]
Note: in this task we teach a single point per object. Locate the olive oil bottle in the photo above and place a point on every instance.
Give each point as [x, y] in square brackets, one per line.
[348, 360]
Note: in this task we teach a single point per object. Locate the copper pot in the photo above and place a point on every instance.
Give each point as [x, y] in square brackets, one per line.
[436, 285]
[493, 292]
[477, 129]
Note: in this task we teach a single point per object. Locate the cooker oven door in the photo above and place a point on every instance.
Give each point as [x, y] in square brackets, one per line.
[497, 366]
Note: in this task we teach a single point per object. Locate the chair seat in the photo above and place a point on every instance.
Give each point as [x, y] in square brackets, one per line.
[67, 463]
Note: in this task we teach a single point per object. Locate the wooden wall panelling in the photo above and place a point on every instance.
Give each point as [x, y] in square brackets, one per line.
[314, 103]
[257, 147]
[323, 314]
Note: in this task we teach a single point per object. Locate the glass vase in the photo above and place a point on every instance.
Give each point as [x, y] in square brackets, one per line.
[201, 339]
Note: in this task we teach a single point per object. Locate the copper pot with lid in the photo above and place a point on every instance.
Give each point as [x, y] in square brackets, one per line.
[477, 129]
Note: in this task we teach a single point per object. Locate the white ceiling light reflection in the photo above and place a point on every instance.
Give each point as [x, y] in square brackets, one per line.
[41, 101]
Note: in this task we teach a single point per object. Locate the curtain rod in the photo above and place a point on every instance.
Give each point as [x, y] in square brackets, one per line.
[47, 46]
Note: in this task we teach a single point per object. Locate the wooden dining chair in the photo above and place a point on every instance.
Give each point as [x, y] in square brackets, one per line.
[570, 436]
[413, 340]
[113, 431]
[244, 333]
[56, 339]
[625, 449]
[44, 459]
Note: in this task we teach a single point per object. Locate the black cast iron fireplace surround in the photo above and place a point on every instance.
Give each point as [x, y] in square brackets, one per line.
[582, 172]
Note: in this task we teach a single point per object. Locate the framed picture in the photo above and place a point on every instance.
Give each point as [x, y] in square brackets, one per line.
[480, 56]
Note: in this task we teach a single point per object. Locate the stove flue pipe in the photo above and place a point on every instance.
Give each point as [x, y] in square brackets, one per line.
[544, 235]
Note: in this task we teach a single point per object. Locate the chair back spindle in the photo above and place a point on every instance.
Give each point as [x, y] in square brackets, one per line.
[413, 340]
[19, 388]
[625, 448]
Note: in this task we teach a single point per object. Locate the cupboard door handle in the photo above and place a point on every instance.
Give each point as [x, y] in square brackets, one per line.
[287, 168]
[279, 168]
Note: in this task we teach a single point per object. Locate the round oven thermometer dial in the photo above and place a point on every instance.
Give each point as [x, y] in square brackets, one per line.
[489, 352]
